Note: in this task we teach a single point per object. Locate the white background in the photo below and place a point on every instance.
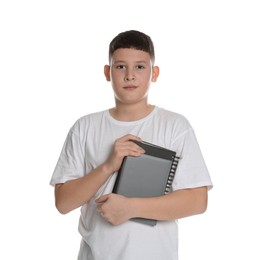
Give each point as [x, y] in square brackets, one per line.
[52, 55]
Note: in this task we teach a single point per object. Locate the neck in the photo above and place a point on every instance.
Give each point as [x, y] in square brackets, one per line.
[131, 112]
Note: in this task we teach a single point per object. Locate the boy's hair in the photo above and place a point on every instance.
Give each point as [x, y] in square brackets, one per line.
[132, 40]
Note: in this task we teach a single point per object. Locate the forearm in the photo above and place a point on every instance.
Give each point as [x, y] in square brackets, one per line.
[75, 193]
[176, 205]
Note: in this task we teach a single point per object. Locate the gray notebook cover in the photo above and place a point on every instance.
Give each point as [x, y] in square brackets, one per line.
[145, 176]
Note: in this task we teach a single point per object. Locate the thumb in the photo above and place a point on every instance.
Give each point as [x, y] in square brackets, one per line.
[102, 199]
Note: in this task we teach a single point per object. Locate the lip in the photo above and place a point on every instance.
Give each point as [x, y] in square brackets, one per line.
[130, 87]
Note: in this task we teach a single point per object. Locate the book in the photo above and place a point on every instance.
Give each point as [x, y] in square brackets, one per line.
[149, 175]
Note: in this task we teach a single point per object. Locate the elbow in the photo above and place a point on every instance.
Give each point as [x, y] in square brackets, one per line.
[61, 207]
[202, 208]
[201, 201]
[64, 205]
[60, 202]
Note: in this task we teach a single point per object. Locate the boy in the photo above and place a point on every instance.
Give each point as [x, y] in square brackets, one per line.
[93, 152]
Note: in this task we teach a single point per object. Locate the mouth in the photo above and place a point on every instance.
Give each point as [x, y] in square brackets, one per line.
[130, 87]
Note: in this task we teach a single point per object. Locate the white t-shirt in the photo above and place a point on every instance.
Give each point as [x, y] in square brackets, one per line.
[88, 144]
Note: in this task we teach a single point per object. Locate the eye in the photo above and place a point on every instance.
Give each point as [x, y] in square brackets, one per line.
[120, 66]
[140, 67]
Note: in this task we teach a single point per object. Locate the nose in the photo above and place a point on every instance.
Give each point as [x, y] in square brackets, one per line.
[129, 76]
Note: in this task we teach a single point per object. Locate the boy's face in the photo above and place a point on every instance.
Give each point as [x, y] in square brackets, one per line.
[131, 73]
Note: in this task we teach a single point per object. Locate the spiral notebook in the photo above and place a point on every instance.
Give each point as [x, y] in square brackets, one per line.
[150, 175]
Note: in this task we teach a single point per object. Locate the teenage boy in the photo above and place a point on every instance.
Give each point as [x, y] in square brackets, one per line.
[93, 152]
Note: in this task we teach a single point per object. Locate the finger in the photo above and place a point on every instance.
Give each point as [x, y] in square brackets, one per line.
[100, 211]
[124, 146]
[135, 148]
[102, 199]
[130, 137]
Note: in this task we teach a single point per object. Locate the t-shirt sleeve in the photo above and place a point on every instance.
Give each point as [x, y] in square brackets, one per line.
[70, 164]
[191, 171]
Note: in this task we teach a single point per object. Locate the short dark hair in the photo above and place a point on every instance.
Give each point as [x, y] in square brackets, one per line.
[133, 40]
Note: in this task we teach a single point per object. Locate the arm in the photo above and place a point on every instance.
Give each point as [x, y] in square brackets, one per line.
[179, 204]
[75, 193]
[175, 205]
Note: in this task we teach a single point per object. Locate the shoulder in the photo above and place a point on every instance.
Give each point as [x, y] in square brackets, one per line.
[92, 119]
[173, 125]
[173, 118]
[92, 116]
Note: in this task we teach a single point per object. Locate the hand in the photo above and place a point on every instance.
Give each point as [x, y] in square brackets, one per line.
[114, 208]
[123, 147]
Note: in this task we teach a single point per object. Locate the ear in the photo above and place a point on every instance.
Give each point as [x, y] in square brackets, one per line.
[107, 72]
[155, 74]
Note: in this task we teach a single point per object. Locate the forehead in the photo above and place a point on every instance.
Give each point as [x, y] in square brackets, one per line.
[130, 55]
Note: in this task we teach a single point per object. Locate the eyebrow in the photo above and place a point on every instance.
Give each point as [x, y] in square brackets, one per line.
[123, 61]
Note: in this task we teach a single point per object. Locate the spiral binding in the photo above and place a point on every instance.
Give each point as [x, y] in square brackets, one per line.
[171, 174]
